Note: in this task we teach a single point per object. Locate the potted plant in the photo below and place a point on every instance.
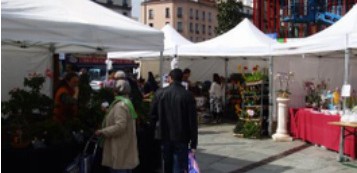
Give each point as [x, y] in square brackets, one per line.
[284, 81]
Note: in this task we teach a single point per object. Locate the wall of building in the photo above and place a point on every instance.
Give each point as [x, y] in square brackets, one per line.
[120, 6]
[198, 19]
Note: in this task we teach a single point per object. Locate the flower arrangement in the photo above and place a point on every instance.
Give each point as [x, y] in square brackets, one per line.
[256, 75]
[315, 93]
[284, 81]
[250, 112]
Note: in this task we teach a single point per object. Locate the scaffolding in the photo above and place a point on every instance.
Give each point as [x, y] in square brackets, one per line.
[298, 18]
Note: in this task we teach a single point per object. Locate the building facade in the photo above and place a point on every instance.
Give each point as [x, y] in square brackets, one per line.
[120, 6]
[196, 20]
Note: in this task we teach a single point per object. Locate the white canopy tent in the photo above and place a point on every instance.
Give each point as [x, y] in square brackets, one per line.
[74, 26]
[320, 55]
[242, 41]
[33, 30]
[172, 39]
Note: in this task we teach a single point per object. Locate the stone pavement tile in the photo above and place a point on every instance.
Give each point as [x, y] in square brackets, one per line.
[220, 152]
[271, 168]
[227, 167]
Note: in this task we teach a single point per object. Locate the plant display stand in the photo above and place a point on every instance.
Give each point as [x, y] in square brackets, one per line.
[253, 120]
[281, 134]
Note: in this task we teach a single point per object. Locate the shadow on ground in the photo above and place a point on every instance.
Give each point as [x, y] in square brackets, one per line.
[209, 163]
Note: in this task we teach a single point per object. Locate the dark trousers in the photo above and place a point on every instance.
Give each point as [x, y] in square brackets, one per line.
[175, 157]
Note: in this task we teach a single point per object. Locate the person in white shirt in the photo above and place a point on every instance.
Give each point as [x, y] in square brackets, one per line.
[216, 94]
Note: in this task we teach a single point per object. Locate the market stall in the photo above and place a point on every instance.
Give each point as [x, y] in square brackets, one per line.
[324, 65]
[32, 32]
[52, 27]
[329, 56]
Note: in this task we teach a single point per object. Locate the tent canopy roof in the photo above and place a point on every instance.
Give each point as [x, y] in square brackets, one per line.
[172, 40]
[74, 26]
[243, 40]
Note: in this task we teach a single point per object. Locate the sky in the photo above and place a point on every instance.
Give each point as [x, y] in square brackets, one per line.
[136, 8]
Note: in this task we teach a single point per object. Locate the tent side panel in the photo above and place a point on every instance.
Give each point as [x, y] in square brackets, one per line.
[17, 64]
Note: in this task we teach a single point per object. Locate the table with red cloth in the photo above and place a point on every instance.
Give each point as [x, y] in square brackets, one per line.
[312, 126]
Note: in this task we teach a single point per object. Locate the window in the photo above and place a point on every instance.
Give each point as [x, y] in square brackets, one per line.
[191, 38]
[151, 24]
[197, 39]
[125, 3]
[167, 12]
[203, 15]
[191, 13]
[151, 14]
[191, 27]
[197, 29]
[203, 29]
[125, 13]
[167, 23]
[179, 12]
[197, 15]
[209, 16]
[179, 27]
[209, 30]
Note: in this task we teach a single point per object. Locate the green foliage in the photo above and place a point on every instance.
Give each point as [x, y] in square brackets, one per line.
[251, 129]
[239, 128]
[229, 15]
[256, 76]
[29, 101]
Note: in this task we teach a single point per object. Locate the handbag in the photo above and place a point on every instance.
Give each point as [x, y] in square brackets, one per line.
[192, 163]
[83, 163]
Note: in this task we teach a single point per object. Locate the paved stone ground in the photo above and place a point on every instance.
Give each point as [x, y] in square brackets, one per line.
[220, 152]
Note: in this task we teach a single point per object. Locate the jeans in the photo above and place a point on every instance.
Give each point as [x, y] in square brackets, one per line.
[175, 157]
[119, 170]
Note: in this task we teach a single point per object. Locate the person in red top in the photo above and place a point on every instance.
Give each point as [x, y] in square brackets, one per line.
[66, 98]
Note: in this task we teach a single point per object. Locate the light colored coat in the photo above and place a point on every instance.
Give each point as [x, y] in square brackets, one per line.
[120, 145]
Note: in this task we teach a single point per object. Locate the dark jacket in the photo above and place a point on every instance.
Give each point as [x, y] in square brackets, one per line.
[173, 112]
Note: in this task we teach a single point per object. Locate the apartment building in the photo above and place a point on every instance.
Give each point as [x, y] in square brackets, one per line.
[120, 6]
[194, 19]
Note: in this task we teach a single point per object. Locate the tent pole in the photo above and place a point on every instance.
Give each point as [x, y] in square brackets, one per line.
[271, 103]
[225, 82]
[56, 73]
[226, 68]
[346, 75]
[161, 69]
[345, 82]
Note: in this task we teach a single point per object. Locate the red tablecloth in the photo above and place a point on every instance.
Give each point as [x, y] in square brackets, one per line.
[313, 127]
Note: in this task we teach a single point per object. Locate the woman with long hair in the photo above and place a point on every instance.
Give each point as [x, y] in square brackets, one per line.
[216, 94]
[66, 98]
[151, 85]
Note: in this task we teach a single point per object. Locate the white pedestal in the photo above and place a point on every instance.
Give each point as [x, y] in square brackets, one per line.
[281, 134]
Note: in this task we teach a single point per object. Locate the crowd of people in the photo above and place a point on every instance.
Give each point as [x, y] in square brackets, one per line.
[172, 116]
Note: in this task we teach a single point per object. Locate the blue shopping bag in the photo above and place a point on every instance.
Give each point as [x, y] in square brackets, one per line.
[192, 163]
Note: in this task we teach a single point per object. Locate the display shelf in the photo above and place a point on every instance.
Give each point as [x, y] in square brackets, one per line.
[255, 101]
[251, 119]
[256, 83]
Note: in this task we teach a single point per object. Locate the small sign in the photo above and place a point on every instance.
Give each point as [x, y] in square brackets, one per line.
[346, 91]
